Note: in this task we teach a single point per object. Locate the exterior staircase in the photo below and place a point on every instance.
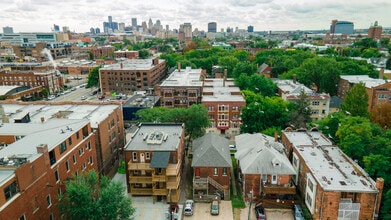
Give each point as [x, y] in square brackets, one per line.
[219, 187]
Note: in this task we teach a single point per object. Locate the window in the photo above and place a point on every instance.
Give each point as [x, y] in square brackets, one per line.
[235, 108]
[51, 217]
[308, 199]
[59, 192]
[77, 135]
[216, 171]
[134, 156]
[23, 217]
[74, 159]
[91, 160]
[83, 166]
[315, 103]
[10, 190]
[310, 185]
[63, 147]
[382, 96]
[81, 151]
[56, 175]
[147, 156]
[224, 171]
[67, 165]
[48, 200]
[70, 141]
[88, 146]
[264, 178]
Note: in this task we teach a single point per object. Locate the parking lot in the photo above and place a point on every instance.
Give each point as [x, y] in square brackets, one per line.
[202, 211]
[147, 210]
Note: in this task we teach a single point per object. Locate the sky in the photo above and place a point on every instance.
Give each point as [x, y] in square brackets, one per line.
[263, 15]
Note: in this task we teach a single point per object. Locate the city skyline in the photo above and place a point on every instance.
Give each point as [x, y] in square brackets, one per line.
[263, 15]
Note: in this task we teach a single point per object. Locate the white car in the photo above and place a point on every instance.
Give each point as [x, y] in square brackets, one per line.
[83, 97]
[189, 207]
[51, 97]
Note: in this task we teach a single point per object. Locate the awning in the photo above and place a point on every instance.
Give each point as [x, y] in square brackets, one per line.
[160, 159]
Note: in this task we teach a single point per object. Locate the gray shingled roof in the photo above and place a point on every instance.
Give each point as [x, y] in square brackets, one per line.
[211, 150]
[259, 154]
[160, 159]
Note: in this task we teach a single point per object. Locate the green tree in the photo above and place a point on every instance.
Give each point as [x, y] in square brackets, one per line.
[143, 54]
[320, 72]
[92, 198]
[300, 114]
[257, 84]
[356, 101]
[228, 62]
[93, 77]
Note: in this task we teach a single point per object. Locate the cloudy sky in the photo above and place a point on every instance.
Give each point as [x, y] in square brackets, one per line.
[81, 15]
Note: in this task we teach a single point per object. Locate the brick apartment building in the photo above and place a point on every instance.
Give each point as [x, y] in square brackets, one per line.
[224, 102]
[378, 90]
[331, 184]
[97, 52]
[47, 79]
[154, 161]
[106, 121]
[35, 161]
[290, 90]
[134, 54]
[182, 88]
[57, 50]
[263, 168]
[212, 167]
[132, 75]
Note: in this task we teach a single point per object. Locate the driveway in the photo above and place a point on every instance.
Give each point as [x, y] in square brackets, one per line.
[202, 211]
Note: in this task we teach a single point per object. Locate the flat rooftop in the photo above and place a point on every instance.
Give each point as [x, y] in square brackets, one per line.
[331, 168]
[96, 113]
[132, 64]
[184, 77]
[368, 81]
[221, 91]
[155, 137]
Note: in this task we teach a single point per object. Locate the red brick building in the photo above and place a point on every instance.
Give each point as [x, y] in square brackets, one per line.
[134, 54]
[212, 166]
[264, 170]
[154, 160]
[375, 31]
[224, 102]
[132, 75]
[182, 88]
[331, 184]
[37, 160]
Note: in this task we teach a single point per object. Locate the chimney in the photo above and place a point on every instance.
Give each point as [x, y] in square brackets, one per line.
[225, 77]
[381, 73]
[294, 78]
[5, 119]
[121, 65]
[179, 66]
[155, 61]
[276, 136]
[42, 119]
[379, 186]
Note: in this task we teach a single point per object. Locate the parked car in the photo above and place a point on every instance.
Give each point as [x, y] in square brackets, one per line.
[83, 97]
[298, 212]
[232, 147]
[260, 213]
[214, 207]
[51, 97]
[189, 207]
[101, 97]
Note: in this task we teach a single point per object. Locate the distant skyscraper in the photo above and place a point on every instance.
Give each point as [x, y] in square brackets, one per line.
[134, 22]
[145, 27]
[65, 29]
[92, 31]
[167, 27]
[212, 27]
[110, 26]
[56, 28]
[230, 30]
[187, 29]
[375, 31]
[121, 27]
[250, 29]
[150, 23]
[8, 30]
[97, 30]
[341, 27]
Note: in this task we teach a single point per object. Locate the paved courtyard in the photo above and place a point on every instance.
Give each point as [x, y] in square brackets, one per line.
[202, 211]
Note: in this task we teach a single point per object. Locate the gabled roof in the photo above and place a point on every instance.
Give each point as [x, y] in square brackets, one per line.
[260, 154]
[335, 102]
[211, 150]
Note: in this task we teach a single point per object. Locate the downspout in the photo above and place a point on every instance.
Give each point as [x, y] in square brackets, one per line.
[321, 206]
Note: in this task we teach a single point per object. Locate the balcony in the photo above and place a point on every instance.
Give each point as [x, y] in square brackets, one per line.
[173, 169]
[138, 166]
[158, 178]
[159, 192]
[200, 183]
[173, 182]
[278, 189]
[140, 191]
[140, 179]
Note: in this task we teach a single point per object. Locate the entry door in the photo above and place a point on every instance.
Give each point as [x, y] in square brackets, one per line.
[274, 179]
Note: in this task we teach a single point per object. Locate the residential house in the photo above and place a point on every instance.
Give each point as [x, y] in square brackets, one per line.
[212, 166]
[264, 169]
[331, 184]
[154, 160]
[266, 70]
